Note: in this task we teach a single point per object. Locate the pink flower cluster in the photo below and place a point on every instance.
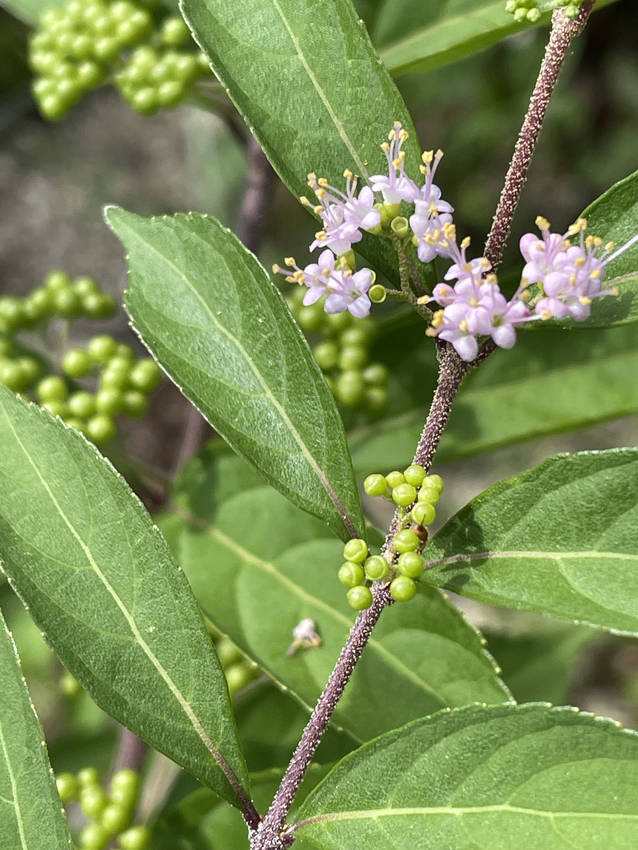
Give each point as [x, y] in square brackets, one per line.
[345, 214]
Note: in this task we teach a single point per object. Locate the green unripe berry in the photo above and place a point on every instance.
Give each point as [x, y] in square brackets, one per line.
[375, 485]
[102, 348]
[238, 676]
[85, 284]
[410, 564]
[68, 684]
[355, 336]
[402, 589]
[359, 598]
[11, 313]
[134, 404]
[394, 478]
[101, 429]
[423, 513]
[67, 786]
[349, 388]
[52, 388]
[310, 318]
[127, 779]
[114, 378]
[66, 303]
[6, 347]
[428, 495]
[124, 352]
[406, 540]
[174, 32]
[184, 66]
[376, 374]
[106, 48]
[81, 46]
[109, 401]
[326, 354]
[376, 568]
[227, 652]
[134, 30]
[57, 280]
[143, 58]
[404, 494]
[144, 101]
[435, 482]
[135, 838]
[77, 363]
[93, 800]
[377, 293]
[351, 574]
[38, 305]
[169, 93]
[115, 818]
[53, 107]
[355, 550]
[56, 408]
[78, 424]
[11, 375]
[353, 357]
[98, 305]
[415, 474]
[145, 375]
[334, 323]
[123, 798]
[30, 369]
[93, 837]
[88, 777]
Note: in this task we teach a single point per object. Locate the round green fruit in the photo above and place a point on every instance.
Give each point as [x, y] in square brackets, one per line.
[326, 354]
[402, 589]
[238, 676]
[11, 313]
[57, 280]
[404, 494]
[376, 568]
[98, 305]
[353, 357]
[77, 363]
[52, 388]
[67, 786]
[355, 550]
[359, 598]
[414, 474]
[394, 479]
[135, 838]
[126, 779]
[406, 541]
[115, 818]
[66, 303]
[101, 348]
[410, 564]
[375, 485]
[351, 574]
[435, 482]
[93, 800]
[30, 369]
[88, 776]
[101, 429]
[423, 513]
[349, 387]
[134, 404]
[376, 374]
[227, 652]
[38, 305]
[82, 404]
[109, 401]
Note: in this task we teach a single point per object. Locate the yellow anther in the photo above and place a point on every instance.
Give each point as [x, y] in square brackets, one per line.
[423, 299]
[595, 274]
[427, 157]
[492, 278]
[298, 276]
[466, 242]
[463, 326]
[430, 332]
[312, 178]
[546, 314]
[320, 193]
[473, 302]
[403, 135]
[290, 261]
[542, 223]
[291, 279]
[423, 169]
[485, 263]
[580, 262]
[276, 268]
[467, 267]
[439, 153]
[322, 181]
[321, 235]
[433, 208]
[318, 209]
[525, 295]
[385, 147]
[572, 280]
[584, 300]
[325, 273]
[598, 241]
[610, 246]
[348, 174]
[567, 243]
[578, 226]
[304, 200]
[431, 240]
[392, 135]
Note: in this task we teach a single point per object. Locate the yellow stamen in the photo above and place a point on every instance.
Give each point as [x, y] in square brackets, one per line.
[585, 300]
[276, 268]
[466, 242]
[542, 223]
[290, 261]
[347, 174]
[427, 157]
[463, 326]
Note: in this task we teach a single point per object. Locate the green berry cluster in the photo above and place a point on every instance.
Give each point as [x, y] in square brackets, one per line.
[531, 10]
[238, 671]
[343, 354]
[147, 53]
[413, 487]
[110, 813]
[122, 386]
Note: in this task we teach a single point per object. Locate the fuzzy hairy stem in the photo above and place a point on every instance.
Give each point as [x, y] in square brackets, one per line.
[563, 32]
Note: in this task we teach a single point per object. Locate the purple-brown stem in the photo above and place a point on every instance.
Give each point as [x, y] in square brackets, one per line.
[131, 752]
[563, 32]
[272, 833]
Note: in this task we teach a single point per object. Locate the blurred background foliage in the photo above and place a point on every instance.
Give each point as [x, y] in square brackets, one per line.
[55, 178]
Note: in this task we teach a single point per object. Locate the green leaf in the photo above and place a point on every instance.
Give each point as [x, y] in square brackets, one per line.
[614, 217]
[209, 313]
[560, 539]
[308, 83]
[424, 654]
[483, 779]
[100, 582]
[550, 382]
[30, 10]
[420, 36]
[31, 816]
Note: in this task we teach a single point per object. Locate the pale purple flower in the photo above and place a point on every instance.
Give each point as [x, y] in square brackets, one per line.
[316, 276]
[395, 186]
[350, 292]
[342, 213]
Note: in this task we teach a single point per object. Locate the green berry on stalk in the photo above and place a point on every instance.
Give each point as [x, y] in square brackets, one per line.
[174, 32]
[53, 107]
[109, 401]
[406, 541]
[376, 568]
[227, 652]
[52, 388]
[375, 485]
[135, 838]
[375, 400]
[57, 280]
[5, 347]
[185, 67]
[310, 318]
[423, 513]
[428, 495]
[355, 550]
[351, 574]
[11, 312]
[38, 305]
[145, 375]
[349, 388]
[126, 779]
[88, 777]
[435, 482]
[106, 48]
[334, 323]
[238, 676]
[114, 378]
[11, 375]
[124, 352]
[169, 93]
[404, 494]
[134, 404]
[74, 422]
[102, 348]
[98, 305]
[30, 369]
[145, 101]
[93, 837]
[101, 429]
[410, 564]
[402, 589]
[85, 284]
[56, 408]
[359, 598]
[353, 357]
[115, 818]
[67, 786]
[77, 363]
[355, 336]
[89, 74]
[394, 478]
[93, 800]
[66, 303]
[376, 374]
[68, 684]
[377, 293]
[414, 474]
[326, 354]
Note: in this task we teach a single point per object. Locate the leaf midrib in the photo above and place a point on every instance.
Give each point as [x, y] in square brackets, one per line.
[14, 791]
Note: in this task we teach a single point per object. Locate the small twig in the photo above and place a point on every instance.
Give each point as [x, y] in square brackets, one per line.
[563, 32]
[257, 197]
